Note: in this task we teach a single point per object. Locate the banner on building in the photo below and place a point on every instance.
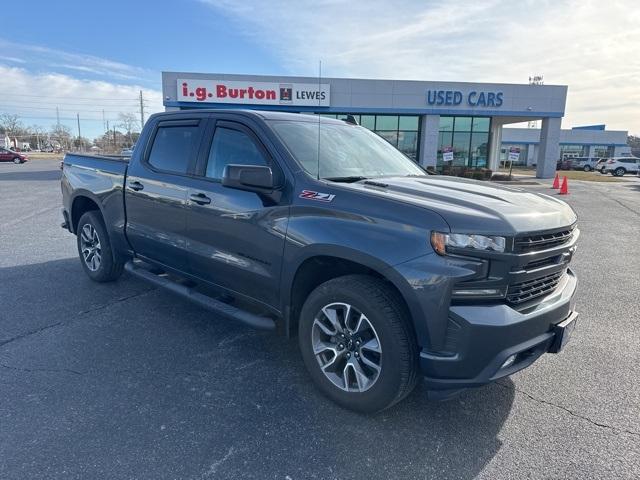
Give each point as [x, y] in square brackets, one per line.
[253, 93]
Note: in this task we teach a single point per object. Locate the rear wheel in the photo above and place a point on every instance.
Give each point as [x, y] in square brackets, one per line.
[619, 172]
[587, 168]
[357, 343]
[97, 258]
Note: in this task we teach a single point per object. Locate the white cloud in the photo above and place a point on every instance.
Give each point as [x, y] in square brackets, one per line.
[589, 45]
[47, 59]
[35, 96]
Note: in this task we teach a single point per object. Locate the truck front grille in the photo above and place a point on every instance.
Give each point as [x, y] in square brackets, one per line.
[531, 243]
[525, 291]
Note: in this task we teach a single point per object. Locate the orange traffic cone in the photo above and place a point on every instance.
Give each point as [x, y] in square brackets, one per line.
[564, 190]
[556, 182]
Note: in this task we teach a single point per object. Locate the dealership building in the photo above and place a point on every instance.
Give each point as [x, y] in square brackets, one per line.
[464, 124]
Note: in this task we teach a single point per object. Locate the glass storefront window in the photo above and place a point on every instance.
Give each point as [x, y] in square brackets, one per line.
[603, 151]
[572, 151]
[461, 142]
[408, 144]
[368, 121]
[401, 131]
[446, 124]
[391, 137]
[445, 139]
[408, 123]
[462, 124]
[386, 122]
[469, 139]
[479, 149]
[481, 124]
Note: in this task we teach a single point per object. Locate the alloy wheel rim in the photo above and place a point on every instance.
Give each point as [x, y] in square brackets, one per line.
[347, 347]
[90, 247]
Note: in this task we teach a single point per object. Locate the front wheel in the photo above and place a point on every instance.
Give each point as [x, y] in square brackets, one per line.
[587, 168]
[357, 343]
[98, 259]
[17, 160]
[619, 172]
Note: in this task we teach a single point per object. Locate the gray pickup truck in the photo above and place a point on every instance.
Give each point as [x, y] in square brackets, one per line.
[320, 228]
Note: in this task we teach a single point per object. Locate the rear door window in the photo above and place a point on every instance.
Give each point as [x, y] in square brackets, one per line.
[173, 147]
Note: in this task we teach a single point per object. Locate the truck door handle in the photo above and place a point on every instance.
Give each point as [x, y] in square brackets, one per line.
[137, 186]
[200, 198]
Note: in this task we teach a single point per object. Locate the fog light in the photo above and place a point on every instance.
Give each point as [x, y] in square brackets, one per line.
[475, 292]
[509, 361]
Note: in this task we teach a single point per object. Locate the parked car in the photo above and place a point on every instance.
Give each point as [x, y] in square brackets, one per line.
[564, 164]
[600, 165]
[126, 152]
[384, 272]
[618, 166]
[7, 155]
[586, 164]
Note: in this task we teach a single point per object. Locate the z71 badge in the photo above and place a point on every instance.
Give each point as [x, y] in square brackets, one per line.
[320, 197]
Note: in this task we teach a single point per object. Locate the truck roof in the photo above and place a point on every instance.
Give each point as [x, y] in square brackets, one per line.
[261, 114]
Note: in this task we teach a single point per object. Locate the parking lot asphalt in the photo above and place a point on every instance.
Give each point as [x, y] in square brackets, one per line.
[122, 380]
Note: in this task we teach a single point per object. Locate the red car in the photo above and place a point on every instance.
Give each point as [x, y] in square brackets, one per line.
[9, 155]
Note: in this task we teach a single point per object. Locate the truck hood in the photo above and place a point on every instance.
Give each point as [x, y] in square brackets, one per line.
[475, 206]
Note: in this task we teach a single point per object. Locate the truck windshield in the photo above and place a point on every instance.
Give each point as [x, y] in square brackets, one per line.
[346, 151]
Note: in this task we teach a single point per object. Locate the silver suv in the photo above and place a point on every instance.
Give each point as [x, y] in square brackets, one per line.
[584, 163]
[618, 166]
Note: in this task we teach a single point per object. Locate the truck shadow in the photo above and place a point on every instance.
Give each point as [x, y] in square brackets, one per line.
[29, 175]
[161, 386]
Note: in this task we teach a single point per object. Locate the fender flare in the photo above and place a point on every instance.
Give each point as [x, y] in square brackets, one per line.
[85, 194]
[383, 269]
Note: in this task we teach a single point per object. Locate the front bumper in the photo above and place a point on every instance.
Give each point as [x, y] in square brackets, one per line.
[483, 337]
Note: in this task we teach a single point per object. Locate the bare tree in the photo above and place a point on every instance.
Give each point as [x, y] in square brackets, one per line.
[61, 134]
[129, 123]
[11, 124]
[38, 135]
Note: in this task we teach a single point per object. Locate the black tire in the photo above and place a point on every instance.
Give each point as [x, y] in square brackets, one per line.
[619, 172]
[110, 268]
[17, 160]
[587, 168]
[386, 313]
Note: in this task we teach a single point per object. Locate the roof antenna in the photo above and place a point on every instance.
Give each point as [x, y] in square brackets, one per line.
[319, 116]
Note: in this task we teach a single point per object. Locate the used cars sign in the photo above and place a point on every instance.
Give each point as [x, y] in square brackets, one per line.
[253, 93]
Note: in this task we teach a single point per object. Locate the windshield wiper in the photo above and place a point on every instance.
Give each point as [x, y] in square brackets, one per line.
[348, 179]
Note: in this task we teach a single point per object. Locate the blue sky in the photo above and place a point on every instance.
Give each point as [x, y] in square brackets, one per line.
[85, 57]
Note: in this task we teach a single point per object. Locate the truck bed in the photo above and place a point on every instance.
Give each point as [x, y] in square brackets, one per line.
[109, 163]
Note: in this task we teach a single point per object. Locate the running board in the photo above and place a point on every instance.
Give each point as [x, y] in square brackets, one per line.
[205, 301]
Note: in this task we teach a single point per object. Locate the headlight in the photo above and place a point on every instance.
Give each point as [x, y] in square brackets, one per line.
[440, 241]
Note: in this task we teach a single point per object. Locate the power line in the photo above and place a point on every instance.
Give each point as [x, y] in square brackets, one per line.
[86, 104]
[66, 118]
[18, 107]
[67, 97]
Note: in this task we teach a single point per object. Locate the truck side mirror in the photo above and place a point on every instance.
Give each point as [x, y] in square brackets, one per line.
[252, 178]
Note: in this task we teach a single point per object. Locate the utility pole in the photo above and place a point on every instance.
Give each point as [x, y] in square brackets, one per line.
[104, 125]
[141, 111]
[57, 118]
[79, 135]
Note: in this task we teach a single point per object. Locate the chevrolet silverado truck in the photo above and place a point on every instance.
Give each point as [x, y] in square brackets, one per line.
[319, 228]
